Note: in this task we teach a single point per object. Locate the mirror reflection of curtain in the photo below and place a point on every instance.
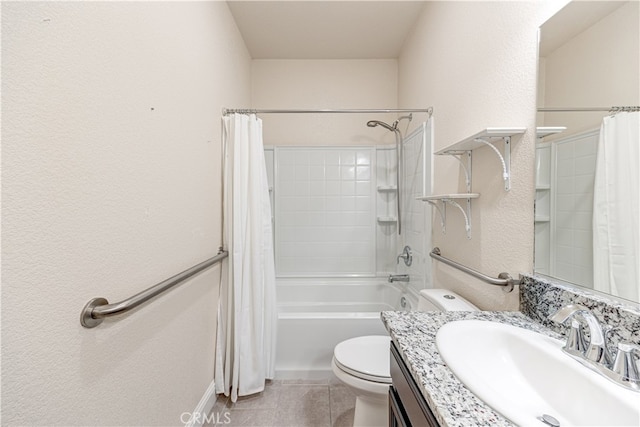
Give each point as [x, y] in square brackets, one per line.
[616, 223]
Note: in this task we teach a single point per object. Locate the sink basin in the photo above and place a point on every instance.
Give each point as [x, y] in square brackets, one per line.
[524, 375]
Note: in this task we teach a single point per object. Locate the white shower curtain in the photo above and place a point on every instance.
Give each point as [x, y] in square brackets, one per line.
[247, 316]
[616, 224]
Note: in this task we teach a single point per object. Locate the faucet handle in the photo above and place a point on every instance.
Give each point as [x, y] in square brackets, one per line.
[626, 364]
[608, 354]
[406, 255]
[575, 339]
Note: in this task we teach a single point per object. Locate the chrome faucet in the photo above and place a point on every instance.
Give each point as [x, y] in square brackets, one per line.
[398, 278]
[623, 369]
[597, 350]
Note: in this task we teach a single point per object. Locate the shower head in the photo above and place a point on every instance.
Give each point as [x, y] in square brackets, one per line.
[374, 123]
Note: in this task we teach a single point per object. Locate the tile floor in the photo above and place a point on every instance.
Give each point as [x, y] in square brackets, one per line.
[294, 403]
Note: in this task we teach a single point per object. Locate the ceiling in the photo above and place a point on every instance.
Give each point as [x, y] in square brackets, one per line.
[325, 29]
[571, 20]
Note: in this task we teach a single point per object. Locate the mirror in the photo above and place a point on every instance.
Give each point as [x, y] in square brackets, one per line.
[588, 63]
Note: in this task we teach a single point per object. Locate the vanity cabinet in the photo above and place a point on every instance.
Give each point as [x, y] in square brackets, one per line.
[407, 406]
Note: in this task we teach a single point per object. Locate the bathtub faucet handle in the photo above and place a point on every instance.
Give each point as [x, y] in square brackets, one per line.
[406, 256]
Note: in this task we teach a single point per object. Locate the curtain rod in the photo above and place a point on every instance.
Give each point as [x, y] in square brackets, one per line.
[227, 111]
[614, 109]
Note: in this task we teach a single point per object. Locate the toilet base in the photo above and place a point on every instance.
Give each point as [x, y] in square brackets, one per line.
[371, 412]
[372, 399]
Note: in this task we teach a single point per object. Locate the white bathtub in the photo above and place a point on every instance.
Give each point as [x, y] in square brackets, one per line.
[314, 316]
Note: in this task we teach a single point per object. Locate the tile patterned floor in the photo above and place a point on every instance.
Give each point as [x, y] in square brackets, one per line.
[289, 403]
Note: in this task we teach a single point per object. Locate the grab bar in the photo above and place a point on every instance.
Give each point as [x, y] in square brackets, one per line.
[504, 279]
[98, 309]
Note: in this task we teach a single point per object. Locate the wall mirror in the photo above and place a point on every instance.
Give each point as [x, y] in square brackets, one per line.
[587, 226]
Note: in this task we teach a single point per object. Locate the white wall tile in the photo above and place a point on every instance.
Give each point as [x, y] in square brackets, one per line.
[316, 172]
[363, 158]
[348, 157]
[347, 172]
[332, 171]
[301, 171]
[287, 158]
[347, 188]
[317, 188]
[333, 188]
[317, 203]
[363, 173]
[363, 188]
[324, 229]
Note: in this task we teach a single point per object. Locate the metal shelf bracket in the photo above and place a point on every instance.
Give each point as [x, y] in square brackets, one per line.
[505, 159]
[442, 209]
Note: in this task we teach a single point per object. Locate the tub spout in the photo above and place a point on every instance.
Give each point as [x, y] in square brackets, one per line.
[398, 278]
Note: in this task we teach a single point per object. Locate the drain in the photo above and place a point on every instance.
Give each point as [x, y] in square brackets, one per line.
[549, 420]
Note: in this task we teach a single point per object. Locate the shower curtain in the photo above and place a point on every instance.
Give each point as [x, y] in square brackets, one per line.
[616, 224]
[247, 316]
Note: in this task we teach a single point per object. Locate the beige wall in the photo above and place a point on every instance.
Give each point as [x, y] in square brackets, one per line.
[597, 68]
[322, 84]
[111, 183]
[475, 63]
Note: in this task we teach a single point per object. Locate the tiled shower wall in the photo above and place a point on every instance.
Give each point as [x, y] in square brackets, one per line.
[325, 211]
[335, 209]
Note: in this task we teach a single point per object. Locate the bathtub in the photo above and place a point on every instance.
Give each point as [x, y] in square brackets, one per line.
[315, 315]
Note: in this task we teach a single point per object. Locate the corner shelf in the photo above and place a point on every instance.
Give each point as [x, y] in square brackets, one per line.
[451, 200]
[386, 188]
[485, 138]
[387, 219]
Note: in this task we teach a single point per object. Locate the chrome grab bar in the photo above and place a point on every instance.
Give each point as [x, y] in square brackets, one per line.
[504, 279]
[98, 309]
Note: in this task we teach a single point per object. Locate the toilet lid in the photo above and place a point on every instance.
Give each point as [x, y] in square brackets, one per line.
[365, 357]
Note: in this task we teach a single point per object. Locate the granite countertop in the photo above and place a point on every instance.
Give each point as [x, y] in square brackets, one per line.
[452, 403]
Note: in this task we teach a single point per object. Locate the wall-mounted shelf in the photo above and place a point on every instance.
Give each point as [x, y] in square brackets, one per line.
[486, 138]
[451, 199]
[462, 151]
[387, 188]
[544, 131]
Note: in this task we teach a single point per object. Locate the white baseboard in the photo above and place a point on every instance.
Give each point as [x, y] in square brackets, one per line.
[198, 416]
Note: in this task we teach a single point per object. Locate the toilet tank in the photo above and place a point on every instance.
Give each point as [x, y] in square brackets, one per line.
[443, 300]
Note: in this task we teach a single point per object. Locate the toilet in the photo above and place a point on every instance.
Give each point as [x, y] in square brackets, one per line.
[362, 363]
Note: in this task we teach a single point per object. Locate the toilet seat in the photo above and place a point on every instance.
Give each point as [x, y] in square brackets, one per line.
[365, 357]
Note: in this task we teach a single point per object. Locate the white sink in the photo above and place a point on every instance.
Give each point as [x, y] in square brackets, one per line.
[523, 375]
